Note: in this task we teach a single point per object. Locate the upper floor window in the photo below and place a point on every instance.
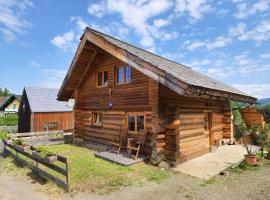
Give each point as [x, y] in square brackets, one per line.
[14, 106]
[123, 74]
[102, 79]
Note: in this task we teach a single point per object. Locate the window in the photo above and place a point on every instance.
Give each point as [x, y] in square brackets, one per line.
[102, 79]
[123, 74]
[14, 106]
[135, 121]
[97, 119]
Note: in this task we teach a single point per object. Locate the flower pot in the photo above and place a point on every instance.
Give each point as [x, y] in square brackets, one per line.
[251, 159]
[36, 155]
[23, 147]
[50, 159]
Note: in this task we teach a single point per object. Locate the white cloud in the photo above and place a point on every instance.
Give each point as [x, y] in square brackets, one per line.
[218, 42]
[12, 18]
[259, 33]
[265, 55]
[195, 8]
[97, 9]
[9, 36]
[195, 45]
[53, 78]
[237, 30]
[65, 41]
[244, 9]
[256, 90]
[136, 15]
[161, 22]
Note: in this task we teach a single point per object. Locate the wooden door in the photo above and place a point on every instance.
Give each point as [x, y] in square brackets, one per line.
[208, 127]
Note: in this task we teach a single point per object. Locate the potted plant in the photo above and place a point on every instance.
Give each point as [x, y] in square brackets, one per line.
[252, 150]
[263, 139]
[44, 154]
[20, 144]
[4, 136]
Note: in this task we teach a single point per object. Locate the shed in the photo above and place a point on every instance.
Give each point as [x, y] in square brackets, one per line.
[253, 117]
[40, 111]
[117, 85]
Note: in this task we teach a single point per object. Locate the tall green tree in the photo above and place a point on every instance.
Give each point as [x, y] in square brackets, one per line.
[4, 92]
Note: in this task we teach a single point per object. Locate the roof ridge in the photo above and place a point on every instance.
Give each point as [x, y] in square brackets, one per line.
[91, 29]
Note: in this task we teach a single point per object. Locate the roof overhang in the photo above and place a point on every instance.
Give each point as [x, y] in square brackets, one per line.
[84, 56]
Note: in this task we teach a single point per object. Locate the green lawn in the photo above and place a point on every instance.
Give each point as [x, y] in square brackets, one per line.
[88, 173]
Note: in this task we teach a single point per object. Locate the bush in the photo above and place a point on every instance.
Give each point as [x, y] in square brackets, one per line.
[9, 120]
[4, 136]
[18, 141]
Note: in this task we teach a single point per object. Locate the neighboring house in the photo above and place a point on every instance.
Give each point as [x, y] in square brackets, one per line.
[117, 85]
[10, 104]
[40, 111]
[253, 117]
[2, 101]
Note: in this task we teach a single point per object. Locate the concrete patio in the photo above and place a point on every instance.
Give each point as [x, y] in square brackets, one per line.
[213, 163]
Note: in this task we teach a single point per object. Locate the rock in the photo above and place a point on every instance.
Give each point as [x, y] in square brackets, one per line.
[164, 165]
[223, 173]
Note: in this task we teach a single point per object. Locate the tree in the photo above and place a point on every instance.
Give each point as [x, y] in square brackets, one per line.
[4, 93]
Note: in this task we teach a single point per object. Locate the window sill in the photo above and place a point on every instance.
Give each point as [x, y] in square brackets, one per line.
[96, 126]
[126, 83]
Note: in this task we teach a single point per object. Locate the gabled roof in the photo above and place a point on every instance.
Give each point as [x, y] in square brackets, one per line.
[44, 100]
[5, 101]
[178, 77]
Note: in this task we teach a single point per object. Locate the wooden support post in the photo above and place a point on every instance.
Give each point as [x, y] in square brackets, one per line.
[67, 175]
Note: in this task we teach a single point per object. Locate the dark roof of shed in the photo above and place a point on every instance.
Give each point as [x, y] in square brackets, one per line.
[45, 100]
[181, 72]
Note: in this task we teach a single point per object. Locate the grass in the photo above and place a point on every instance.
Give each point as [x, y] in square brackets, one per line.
[88, 173]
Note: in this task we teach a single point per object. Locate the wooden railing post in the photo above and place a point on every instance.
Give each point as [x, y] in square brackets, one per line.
[67, 176]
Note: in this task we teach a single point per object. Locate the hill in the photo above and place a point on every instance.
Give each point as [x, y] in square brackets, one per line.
[264, 101]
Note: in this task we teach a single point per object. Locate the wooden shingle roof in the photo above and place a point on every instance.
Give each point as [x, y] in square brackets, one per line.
[178, 77]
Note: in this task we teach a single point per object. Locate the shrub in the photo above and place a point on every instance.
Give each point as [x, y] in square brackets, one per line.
[4, 136]
[9, 120]
[18, 141]
[43, 151]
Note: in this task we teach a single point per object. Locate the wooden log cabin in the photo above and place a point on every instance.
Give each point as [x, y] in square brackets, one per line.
[115, 85]
[40, 111]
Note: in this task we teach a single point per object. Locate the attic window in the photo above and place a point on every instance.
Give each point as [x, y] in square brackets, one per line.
[123, 75]
[102, 79]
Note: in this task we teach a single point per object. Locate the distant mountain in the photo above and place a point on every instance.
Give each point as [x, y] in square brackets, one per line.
[264, 101]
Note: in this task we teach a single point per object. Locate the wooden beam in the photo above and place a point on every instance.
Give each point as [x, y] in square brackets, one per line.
[90, 62]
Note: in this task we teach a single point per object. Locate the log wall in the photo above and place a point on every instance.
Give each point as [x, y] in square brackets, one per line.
[140, 95]
[192, 124]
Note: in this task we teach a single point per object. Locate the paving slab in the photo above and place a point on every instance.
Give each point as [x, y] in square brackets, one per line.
[211, 164]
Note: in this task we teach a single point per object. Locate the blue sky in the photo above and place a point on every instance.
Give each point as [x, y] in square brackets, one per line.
[228, 39]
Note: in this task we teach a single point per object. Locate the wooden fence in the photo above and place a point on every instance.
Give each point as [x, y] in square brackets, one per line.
[35, 167]
[45, 137]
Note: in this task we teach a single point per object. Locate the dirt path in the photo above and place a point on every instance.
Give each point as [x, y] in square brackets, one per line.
[253, 185]
[12, 188]
[248, 186]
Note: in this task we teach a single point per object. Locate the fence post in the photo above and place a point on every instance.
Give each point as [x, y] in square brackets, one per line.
[46, 135]
[67, 176]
